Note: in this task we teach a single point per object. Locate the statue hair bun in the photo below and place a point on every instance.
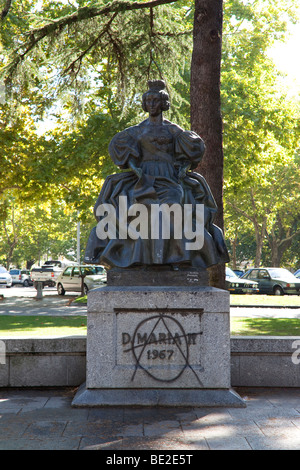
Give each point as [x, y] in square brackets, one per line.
[156, 85]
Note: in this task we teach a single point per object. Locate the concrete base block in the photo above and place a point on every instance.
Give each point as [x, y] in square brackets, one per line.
[157, 397]
[158, 346]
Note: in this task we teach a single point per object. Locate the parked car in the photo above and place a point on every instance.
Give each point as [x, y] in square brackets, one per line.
[297, 273]
[238, 272]
[71, 278]
[5, 277]
[49, 272]
[236, 285]
[276, 281]
[21, 276]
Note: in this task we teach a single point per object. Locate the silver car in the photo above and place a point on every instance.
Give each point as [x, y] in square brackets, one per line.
[5, 277]
[72, 277]
[21, 277]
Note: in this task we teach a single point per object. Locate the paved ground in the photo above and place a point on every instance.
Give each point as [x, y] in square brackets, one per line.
[23, 301]
[41, 420]
[266, 312]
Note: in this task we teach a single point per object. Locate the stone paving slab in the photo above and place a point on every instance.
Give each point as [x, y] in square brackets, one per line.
[45, 420]
[39, 444]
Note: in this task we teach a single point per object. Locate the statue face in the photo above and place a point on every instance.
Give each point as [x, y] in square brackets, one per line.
[153, 104]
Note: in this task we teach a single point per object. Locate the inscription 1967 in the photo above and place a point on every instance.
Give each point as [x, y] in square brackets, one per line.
[159, 341]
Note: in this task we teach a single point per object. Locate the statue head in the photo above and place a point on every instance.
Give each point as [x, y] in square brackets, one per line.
[157, 86]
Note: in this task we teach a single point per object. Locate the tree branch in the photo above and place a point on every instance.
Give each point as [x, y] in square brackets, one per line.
[2, 190]
[241, 211]
[170, 34]
[84, 13]
[80, 57]
[6, 9]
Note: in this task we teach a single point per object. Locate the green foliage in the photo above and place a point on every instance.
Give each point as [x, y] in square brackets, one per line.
[29, 232]
[15, 151]
[86, 70]
[99, 48]
[85, 64]
[261, 126]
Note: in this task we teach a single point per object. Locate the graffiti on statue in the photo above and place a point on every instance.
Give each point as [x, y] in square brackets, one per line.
[161, 347]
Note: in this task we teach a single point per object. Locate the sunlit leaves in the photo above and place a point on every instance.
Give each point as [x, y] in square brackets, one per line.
[74, 47]
[261, 126]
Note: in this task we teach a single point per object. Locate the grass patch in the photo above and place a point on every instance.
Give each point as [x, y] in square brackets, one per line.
[265, 300]
[34, 326]
[248, 299]
[244, 326]
[42, 326]
[81, 300]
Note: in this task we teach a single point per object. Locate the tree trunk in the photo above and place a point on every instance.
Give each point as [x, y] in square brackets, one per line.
[29, 263]
[279, 243]
[260, 234]
[206, 119]
[258, 252]
[5, 9]
[12, 246]
[274, 245]
[11, 242]
[233, 247]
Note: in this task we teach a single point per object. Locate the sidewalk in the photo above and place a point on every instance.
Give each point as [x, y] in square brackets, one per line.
[51, 304]
[45, 420]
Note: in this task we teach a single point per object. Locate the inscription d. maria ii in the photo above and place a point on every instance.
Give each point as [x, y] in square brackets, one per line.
[160, 346]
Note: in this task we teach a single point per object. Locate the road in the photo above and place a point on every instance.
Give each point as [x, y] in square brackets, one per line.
[266, 312]
[19, 300]
[20, 291]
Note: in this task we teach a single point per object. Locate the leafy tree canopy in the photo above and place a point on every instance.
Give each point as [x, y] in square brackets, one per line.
[86, 63]
[82, 54]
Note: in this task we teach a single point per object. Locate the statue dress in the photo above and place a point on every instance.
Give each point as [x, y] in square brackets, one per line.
[160, 152]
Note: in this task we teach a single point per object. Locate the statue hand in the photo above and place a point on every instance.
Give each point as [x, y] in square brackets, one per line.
[182, 172]
[138, 171]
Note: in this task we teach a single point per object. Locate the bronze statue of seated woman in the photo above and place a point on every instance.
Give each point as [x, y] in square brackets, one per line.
[160, 158]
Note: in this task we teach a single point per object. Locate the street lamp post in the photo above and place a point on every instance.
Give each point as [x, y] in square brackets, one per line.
[78, 238]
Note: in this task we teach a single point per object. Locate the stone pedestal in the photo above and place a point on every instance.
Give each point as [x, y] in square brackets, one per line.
[158, 345]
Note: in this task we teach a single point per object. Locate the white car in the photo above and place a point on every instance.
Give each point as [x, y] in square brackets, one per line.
[5, 277]
[72, 277]
[19, 276]
[238, 285]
